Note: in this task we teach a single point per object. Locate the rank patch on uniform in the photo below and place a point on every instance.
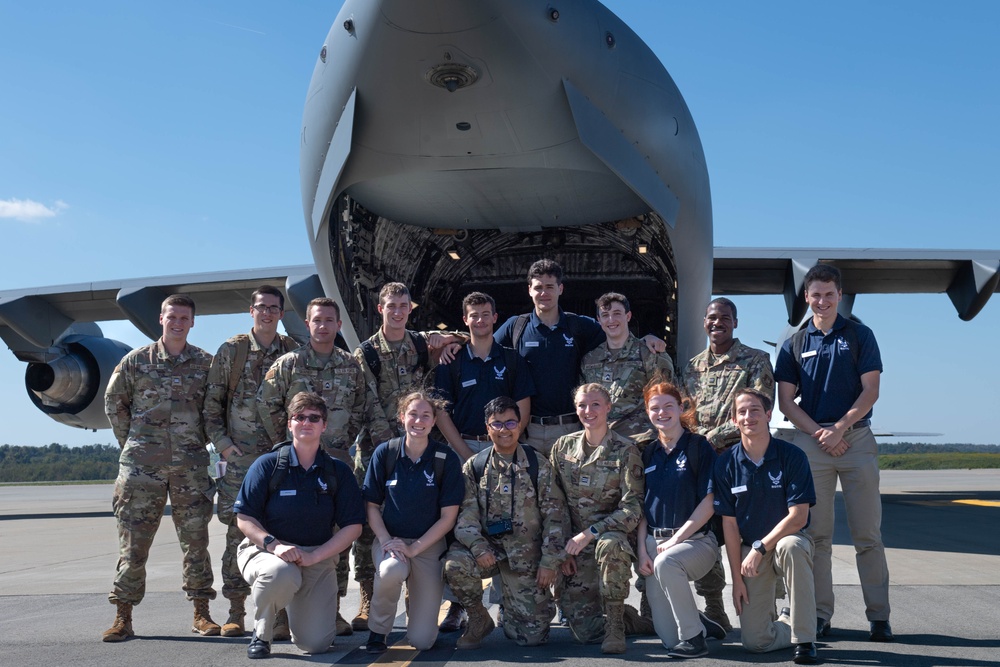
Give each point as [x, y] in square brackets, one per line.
[607, 376]
[402, 370]
[584, 480]
[327, 385]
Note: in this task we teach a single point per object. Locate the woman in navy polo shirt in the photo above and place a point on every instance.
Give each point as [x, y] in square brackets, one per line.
[412, 503]
[675, 545]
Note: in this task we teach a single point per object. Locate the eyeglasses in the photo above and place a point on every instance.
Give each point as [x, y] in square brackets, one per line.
[510, 425]
[270, 310]
[312, 419]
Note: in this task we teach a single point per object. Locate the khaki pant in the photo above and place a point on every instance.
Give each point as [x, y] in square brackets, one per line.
[308, 594]
[543, 437]
[760, 626]
[858, 472]
[675, 613]
[424, 584]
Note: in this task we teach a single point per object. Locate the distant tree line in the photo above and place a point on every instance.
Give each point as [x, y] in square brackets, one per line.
[923, 448]
[58, 463]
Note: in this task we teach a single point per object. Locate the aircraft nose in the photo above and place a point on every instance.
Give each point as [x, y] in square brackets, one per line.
[439, 16]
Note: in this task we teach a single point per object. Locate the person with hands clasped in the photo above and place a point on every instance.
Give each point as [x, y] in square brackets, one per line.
[763, 490]
[413, 490]
[299, 508]
[600, 473]
[675, 544]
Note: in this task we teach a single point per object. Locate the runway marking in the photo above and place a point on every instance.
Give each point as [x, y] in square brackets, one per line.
[979, 503]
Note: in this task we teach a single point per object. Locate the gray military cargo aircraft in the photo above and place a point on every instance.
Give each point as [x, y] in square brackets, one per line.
[447, 144]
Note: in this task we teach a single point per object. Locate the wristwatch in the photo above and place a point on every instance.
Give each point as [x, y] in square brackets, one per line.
[267, 542]
[759, 546]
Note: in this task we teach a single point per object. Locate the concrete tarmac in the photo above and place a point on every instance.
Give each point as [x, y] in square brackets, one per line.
[59, 548]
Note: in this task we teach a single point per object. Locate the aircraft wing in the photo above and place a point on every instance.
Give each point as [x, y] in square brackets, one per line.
[969, 277]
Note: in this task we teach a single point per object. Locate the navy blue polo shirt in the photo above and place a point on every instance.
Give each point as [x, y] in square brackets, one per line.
[300, 511]
[759, 497]
[412, 499]
[829, 380]
[553, 357]
[673, 486]
[469, 383]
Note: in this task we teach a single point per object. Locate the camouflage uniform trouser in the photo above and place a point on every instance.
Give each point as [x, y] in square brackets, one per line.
[228, 486]
[603, 572]
[364, 567]
[139, 499]
[527, 607]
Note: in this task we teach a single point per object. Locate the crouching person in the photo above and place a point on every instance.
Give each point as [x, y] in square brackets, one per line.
[763, 490]
[511, 524]
[299, 508]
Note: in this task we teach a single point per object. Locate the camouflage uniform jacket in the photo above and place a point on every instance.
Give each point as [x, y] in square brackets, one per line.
[624, 373]
[713, 382]
[538, 537]
[339, 381]
[604, 489]
[399, 376]
[154, 403]
[242, 426]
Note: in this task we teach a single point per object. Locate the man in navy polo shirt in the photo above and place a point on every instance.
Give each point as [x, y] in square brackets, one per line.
[290, 553]
[480, 372]
[553, 343]
[763, 490]
[834, 364]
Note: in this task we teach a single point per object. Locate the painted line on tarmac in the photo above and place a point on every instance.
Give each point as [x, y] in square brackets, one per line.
[979, 503]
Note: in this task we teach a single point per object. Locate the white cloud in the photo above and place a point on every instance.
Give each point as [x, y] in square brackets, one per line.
[27, 210]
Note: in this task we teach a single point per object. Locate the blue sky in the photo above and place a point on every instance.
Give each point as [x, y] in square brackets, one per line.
[155, 138]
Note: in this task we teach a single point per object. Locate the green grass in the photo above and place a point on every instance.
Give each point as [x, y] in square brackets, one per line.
[941, 461]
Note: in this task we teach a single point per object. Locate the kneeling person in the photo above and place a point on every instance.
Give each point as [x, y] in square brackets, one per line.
[511, 524]
[763, 490]
[290, 506]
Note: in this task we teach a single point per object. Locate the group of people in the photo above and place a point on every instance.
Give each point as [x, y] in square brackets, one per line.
[585, 457]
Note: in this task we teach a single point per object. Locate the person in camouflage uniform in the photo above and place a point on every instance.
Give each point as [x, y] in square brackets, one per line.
[400, 372]
[322, 368]
[527, 554]
[601, 475]
[154, 401]
[233, 425]
[624, 365]
[712, 379]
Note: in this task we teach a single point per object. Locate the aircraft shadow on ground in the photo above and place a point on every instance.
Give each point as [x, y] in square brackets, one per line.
[933, 521]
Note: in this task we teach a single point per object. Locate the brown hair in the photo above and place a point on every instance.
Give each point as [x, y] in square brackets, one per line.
[177, 300]
[307, 400]
[322, 302]
[437, 403]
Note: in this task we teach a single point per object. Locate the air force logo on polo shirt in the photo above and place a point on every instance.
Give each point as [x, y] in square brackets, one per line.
[842, 344]
[500, 372]
[682, 461]
[568, 339]
[430, 477]
[775, 480]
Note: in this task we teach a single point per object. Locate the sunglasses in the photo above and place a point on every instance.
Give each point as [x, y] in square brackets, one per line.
[312, 419]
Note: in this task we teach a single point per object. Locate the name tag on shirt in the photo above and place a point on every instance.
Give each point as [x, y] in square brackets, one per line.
[287, 492]
[810, 353]
[391, 482]
[531, 343]
[739, 489]
[649, 469]
[469, 383]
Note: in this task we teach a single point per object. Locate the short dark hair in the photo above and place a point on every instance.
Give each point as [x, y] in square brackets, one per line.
[393, 289]
[307, 400]
[177, 300]
[271, 290]
[478, 299]
[605, 300]
[823, 273]
[765, 400]
[500, 405]
[722, 301]
[545, 267]
[322, 302]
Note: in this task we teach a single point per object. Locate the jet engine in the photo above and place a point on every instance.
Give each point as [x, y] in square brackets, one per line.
[69, 384]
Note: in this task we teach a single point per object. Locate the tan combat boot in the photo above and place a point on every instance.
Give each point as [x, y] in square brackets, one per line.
[636, 624]
[344, 628]
[203, 623]
[360, 621]
[234, 626]
[121, 629]
[281, 632]
[715, 609]
[614, 627]
[479, 626]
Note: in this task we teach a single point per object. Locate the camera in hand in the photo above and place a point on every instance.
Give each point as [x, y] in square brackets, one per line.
[498, 528]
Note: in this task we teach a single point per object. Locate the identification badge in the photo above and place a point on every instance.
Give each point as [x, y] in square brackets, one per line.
[649, 469]
[287, 492]
[469, 383]
[810, 353]
[584, 480]
[739, 489]
[391, 482]
[531, 343]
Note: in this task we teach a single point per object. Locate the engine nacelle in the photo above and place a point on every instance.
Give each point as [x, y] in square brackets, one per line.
[70, 387]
